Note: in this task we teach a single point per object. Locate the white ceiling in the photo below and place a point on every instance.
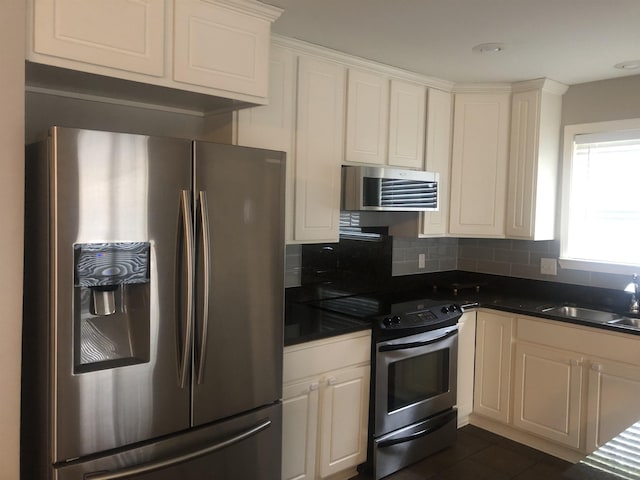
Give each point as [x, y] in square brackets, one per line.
[571, 41]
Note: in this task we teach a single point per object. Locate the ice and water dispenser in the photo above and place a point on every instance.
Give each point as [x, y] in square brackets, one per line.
[111, 305]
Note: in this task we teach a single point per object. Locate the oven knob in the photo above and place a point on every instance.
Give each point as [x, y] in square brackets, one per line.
[444, 309]
[391, 321]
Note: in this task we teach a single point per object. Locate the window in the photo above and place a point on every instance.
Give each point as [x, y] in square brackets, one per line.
[601, 197]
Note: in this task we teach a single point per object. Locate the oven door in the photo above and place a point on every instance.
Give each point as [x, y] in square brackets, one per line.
[416, 378]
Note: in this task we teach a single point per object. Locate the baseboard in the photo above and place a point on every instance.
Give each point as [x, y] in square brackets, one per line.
[565, 453]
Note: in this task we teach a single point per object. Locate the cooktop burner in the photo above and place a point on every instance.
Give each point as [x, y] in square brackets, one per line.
[395, 313]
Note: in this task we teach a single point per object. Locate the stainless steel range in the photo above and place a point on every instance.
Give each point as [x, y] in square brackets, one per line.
[412, 410]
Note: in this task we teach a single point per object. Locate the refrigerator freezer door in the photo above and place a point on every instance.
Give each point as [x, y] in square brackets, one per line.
[245, 447]
[117, 188]
[238, 363]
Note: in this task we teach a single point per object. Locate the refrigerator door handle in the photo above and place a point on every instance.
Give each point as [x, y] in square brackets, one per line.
[168, 462]
[206, 258]
[187, 223]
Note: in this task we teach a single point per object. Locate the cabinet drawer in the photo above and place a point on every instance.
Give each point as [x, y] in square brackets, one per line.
[595, 342]
[315, 358]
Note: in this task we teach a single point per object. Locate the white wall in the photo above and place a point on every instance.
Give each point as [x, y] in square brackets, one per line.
[614, 99]
[12, 36]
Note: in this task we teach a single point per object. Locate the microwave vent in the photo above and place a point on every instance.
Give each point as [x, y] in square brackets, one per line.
[389, 189]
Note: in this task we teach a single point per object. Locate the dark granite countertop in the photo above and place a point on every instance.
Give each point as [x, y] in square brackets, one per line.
[618, 459]
[304, 323]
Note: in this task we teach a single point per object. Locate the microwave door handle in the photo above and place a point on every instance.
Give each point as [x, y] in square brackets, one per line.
[406, 346]
[135, 470]
[441, 423]
[187, 225]
[206, 259]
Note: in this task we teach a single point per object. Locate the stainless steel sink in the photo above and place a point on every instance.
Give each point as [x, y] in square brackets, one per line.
[626, 322]
[586, 314]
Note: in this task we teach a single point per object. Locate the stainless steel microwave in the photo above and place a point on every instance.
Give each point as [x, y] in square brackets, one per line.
[389, 189]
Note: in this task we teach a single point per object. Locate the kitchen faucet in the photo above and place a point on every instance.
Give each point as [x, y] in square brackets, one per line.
[633, 289]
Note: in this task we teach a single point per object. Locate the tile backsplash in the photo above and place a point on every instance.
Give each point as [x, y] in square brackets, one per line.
[440, 255]
[292, 266]
[513, 258]
[521, 258]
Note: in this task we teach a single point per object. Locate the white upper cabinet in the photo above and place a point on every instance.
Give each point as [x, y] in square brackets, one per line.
[121, 34]
[438, 159]
[219, 47]
[367, 117]
[215, 47]
[385, 120]
[533, 159]
[406, 124]
[319, 149]
[479, 164]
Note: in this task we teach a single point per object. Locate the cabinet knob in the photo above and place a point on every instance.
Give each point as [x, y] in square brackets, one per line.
[314, 386]
[332, 381]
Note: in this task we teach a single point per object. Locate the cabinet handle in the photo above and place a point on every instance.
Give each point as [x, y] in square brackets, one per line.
[313, 387]
[332, 381]
[596, 367]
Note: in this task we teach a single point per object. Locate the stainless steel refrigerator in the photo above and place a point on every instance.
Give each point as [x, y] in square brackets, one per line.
[153, 309]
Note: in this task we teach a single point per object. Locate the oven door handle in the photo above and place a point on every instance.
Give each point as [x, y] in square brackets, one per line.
[441, 423]
[405, 346]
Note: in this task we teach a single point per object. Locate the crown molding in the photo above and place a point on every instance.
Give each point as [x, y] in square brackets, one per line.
[352, 61]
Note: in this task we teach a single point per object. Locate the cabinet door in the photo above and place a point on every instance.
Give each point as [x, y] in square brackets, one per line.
[367, 118]
[479, 164]
[613, 396]
[122, 34]
[343, 420]
[220, 47]
[406, 124]
[493, 365]
[548, 393]
[299, 430]
[466, 362]
[525, 123]
[271, 126]
[438, 158]
[319, 150]
[533, 160]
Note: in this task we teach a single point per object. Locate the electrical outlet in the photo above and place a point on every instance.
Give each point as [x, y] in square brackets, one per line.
[421, 260]
[548, 266]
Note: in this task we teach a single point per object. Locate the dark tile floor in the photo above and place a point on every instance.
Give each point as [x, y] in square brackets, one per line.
[481, 455]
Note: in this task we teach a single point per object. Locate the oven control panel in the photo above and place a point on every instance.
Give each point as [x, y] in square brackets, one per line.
[422, 319]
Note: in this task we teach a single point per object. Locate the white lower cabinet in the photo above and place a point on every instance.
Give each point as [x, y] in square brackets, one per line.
[300, 429]
[344, 412]
[466, 361]
[548, 391]
[493, 365]
[613, 396]
[325, 407]
[566, 389]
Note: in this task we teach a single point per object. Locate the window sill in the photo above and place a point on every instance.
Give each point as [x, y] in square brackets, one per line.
[589, 266]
